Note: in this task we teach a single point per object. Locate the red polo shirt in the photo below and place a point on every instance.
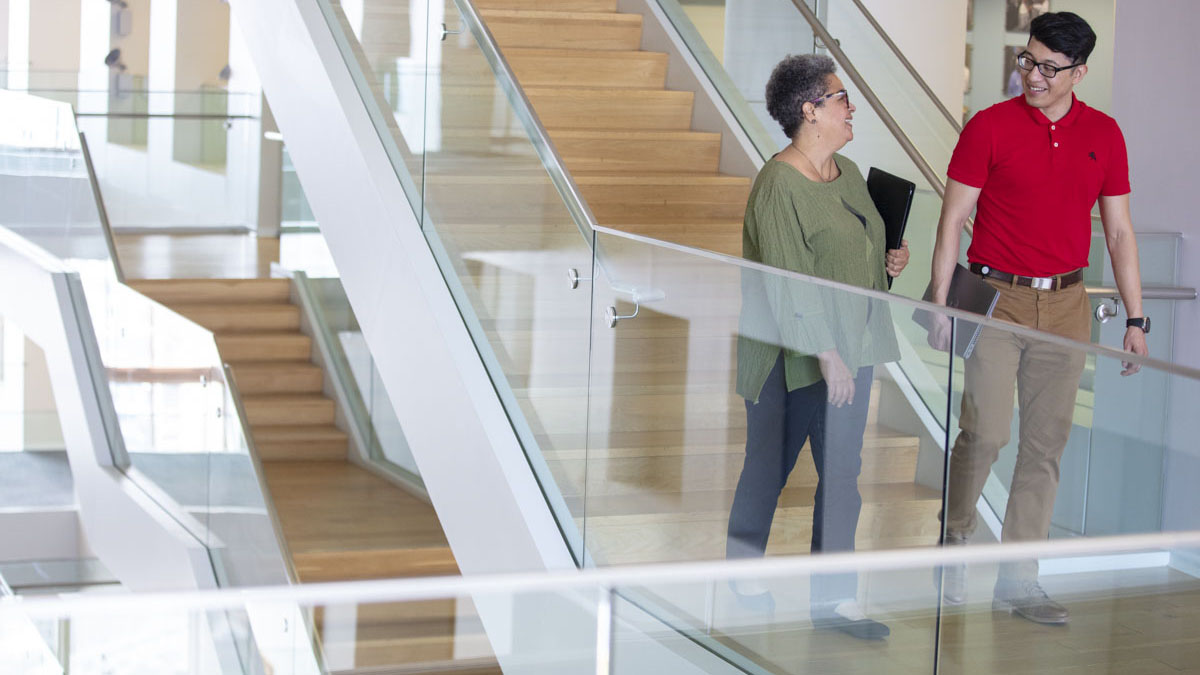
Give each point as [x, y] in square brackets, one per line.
[1040, 180]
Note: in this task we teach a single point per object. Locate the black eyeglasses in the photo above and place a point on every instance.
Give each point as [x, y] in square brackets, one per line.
[1048, 70]
[840, 92]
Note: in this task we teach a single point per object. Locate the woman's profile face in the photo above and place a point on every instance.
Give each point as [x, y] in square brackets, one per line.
[834, 113]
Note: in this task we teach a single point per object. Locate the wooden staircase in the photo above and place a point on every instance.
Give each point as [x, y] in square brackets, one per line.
[624, 137]
[340, 521]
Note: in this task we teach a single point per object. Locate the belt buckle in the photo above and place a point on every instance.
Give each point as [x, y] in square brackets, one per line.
[1041, 283]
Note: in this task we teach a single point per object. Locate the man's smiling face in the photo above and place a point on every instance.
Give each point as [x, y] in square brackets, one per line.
[1050, 94]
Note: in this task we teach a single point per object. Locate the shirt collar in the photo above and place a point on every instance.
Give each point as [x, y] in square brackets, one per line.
[1036, 114]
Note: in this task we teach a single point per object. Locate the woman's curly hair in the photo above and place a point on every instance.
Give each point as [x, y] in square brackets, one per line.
[796, 80]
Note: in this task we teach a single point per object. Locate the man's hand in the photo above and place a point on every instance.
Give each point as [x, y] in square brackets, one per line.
[939, 333]
[838, 379]
[1135, 341]
[897, 259]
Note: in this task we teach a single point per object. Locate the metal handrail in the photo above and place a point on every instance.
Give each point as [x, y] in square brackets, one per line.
[1148, 292]
[174, 116]
[101, 210]
[676, 574]
[954, 123]
[235, 395]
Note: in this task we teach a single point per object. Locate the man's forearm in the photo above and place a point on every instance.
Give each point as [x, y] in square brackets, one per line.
[945, 257]
[1126, 270]
[957, 205]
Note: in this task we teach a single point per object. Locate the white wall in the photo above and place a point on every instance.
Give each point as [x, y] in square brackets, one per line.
[939, 61]
[3, 34]
[1154, 100]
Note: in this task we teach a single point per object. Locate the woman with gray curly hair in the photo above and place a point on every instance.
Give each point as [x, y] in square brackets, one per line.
[806, 354]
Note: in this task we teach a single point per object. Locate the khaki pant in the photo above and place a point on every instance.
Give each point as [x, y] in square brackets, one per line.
[1046, 379]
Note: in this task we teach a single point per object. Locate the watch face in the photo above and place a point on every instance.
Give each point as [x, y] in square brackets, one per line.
[1146, 324]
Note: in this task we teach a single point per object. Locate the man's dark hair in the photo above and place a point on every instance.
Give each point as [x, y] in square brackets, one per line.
[1066, 33]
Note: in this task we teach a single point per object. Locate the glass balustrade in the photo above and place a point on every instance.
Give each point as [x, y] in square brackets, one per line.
[1134, 619]
[493, 215]
[355, 367]
[638, 435]
[177, 428]
[672, 441]
[681, 339]
[165, 159]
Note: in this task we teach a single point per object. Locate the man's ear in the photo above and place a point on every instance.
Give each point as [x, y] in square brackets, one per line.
[1078, 74]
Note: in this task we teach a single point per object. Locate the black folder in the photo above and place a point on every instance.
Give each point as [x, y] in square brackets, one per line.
[970, 293]
[893, 197]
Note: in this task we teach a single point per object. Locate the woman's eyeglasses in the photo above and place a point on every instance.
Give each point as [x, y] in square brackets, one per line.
[841, 92]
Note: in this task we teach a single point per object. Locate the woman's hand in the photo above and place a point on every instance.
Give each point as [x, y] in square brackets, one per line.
[897, 259]
[838, 379]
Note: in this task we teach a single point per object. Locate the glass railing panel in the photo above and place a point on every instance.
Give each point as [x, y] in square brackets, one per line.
[436, 629]
[45, 195]
[462, 145]
[506, 242]
[356, 367]
[191, 172]
[177, 430]
[680, 465]
[932, 125]
[1121, 617]
[1083, 443]
[181, 428]
[1131, 605]
[387, 46]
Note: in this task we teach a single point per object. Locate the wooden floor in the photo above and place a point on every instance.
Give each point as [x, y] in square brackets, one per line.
[1133, 621]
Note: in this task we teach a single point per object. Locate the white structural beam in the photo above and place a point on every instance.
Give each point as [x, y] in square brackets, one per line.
[139, 542]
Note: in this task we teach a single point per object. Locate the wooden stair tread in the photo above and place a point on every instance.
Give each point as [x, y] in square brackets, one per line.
[582, 17]
[379, 563]
[289, 432]
[279, 409]
[635, 134]
[238, 348]
[664, 178]
[560, 5]
[551, 28]
[242, 317]
[183, 291]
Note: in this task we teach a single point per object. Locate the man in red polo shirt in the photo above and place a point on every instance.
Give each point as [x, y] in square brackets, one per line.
[1034, 165]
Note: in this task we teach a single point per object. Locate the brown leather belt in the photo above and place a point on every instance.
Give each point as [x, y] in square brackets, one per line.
[1054, 283]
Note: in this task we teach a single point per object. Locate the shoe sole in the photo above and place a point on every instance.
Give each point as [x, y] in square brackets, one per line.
[1006, 608]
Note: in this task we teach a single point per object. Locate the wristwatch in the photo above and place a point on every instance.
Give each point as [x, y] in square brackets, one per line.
[1142, 322]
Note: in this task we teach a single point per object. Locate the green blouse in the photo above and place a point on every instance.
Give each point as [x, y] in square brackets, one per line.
[829, 230]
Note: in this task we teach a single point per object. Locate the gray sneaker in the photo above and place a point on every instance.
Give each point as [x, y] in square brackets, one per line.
[1029, 601]
[953, 578]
